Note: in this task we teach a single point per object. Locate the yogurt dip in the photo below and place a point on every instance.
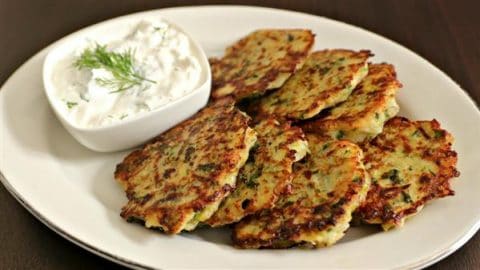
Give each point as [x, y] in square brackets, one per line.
[162, 56]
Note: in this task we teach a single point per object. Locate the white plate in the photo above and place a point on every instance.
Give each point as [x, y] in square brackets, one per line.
[72, 190]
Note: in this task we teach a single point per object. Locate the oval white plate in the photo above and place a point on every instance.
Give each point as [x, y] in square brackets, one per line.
[72, 190]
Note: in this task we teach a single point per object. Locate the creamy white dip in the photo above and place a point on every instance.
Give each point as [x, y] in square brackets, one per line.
[161, 53]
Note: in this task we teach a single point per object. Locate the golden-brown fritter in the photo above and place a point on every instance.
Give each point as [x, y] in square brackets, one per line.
[180, 178]
[327, 187]
[411, 163]
[266, 174]
[326, 79]
[362, 116]
[262, 60]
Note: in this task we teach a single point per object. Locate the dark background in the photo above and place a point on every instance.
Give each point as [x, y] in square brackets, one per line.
[447, 33]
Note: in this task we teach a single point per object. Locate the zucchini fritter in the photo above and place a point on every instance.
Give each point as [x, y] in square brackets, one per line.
[266, 174]
[411, 163]
[262, 60]
[326, 79]
[362, 116]
[327, 187]
[180, 178]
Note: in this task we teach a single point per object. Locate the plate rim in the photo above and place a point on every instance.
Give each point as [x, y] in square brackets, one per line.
[454, 246]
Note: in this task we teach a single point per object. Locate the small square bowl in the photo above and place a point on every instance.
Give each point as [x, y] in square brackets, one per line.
[139, 129]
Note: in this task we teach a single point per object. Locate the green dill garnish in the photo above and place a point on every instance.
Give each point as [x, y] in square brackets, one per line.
[288, 203]
[290, 37]
[71, 104]
[340, 134]
[416, 133]
[438, 134]
[123, 116]
[325, 146]
[357, 179]
[244, 67]
[406, 197]
[387, 208]
[207, 167]
[377, 116]
[162, 30]
[120, 65]
[251, 182]
[323, 70]
[393, 176]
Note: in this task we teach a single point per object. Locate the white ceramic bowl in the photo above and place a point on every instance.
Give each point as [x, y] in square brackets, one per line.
[136, 130]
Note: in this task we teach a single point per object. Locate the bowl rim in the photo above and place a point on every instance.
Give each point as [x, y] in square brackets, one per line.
[49, 64]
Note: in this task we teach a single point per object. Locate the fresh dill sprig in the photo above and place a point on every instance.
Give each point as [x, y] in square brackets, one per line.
[71, 104]
[120, 65]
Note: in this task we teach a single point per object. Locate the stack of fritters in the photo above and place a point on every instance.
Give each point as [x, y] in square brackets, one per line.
[327, 187]
[277, 186]
[267, 173]
[362, 116]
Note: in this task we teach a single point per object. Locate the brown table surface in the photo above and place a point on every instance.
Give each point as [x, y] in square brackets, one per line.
[447, 33]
